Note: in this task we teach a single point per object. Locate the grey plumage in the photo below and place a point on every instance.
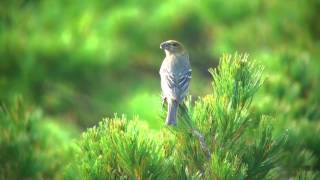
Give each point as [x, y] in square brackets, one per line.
[175, 73]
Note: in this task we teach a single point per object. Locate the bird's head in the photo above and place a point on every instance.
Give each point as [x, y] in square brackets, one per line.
[172, 47]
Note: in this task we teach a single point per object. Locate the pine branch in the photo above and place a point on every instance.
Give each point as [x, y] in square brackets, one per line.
[194, 130]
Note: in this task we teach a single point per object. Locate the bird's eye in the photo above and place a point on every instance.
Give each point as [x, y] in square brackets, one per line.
[174, 44]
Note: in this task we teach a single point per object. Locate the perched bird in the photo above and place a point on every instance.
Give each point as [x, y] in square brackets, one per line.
[175, 74]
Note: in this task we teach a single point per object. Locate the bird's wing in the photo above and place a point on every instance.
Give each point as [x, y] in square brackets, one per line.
[175, 86]
[183, 83]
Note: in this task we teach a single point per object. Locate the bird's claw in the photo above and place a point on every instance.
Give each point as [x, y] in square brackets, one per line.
[164, 100]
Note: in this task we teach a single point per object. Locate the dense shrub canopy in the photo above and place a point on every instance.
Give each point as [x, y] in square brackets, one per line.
[240, 146]
[29, 148]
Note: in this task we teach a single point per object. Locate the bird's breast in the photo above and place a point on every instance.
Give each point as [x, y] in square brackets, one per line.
[177, 65]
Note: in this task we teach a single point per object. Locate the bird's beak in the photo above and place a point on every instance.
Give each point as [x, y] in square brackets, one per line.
[163, 45]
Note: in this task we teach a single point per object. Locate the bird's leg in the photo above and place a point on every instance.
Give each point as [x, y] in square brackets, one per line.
[164, 100]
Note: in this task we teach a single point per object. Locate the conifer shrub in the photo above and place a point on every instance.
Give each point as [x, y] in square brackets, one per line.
[217, 137]
[118, 148]
[291, 96]
[31, 147]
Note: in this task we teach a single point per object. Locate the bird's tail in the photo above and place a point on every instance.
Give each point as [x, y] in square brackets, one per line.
[172, 112]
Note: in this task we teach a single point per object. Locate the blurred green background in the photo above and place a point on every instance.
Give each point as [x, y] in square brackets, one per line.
[78, 61]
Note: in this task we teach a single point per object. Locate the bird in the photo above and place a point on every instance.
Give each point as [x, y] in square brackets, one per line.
[175, 75]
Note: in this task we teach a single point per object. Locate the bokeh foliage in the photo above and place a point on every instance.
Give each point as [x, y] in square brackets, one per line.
[30, 148]
[80, 60]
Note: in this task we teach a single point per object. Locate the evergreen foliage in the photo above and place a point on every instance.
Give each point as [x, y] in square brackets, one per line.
[240, 145]
[31, 148]
[120, 149]
[223, 135]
